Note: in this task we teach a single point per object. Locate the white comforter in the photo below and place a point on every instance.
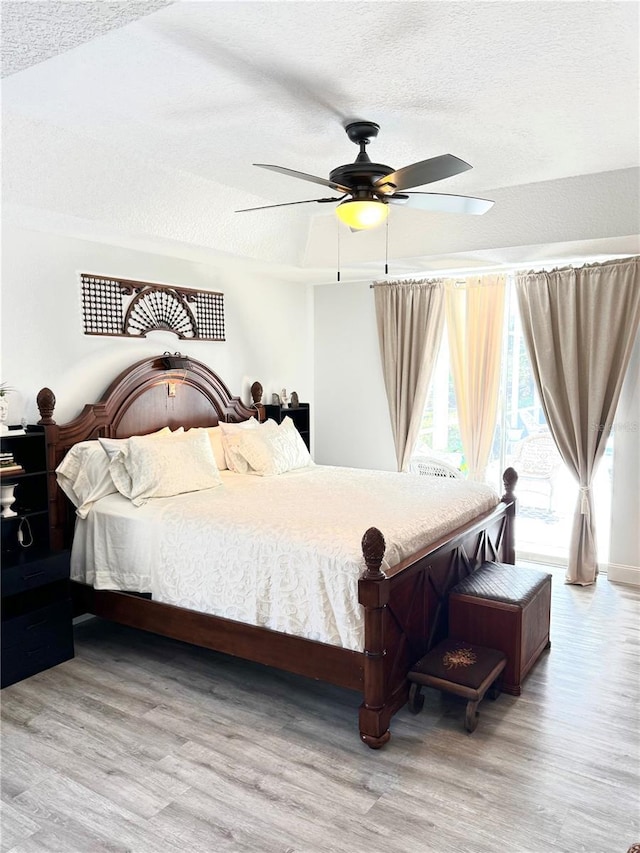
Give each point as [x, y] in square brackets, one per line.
[281, 552]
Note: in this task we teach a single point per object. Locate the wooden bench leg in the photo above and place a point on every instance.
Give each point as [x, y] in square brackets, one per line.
[416, 699]
[471, 717]
[496, 688]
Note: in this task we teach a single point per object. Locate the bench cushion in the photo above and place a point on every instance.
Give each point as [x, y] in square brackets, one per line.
[502, 582]
[458, 662]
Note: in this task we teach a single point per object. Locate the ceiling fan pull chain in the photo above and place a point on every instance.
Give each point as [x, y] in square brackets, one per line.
[338, 230]
[386, 250]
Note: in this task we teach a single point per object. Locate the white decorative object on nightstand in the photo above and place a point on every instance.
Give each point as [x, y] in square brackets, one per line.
[7, 498]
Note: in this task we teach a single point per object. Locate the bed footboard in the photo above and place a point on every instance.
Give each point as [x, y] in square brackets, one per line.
[406, 609]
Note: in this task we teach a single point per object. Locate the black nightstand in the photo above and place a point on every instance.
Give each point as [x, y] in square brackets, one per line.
[36, 625]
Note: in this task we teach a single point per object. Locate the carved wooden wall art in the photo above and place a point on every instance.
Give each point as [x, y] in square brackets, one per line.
[123, 308]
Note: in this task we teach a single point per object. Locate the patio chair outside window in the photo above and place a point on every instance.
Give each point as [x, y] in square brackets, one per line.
[538, 463]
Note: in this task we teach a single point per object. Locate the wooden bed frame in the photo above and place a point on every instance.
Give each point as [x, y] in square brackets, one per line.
[405, 610]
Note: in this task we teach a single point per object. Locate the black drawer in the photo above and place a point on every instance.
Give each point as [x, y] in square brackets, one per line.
[34, 573]
[35, 641]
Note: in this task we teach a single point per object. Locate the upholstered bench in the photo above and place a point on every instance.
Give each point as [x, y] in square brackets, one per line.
[461, 668]
[504, 607]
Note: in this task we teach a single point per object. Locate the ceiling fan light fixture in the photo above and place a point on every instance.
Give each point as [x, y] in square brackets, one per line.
[362, 214]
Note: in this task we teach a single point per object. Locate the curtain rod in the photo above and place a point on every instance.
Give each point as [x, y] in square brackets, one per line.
[517, 268]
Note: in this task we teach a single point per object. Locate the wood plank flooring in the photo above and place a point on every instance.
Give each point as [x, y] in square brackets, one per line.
[147, 745]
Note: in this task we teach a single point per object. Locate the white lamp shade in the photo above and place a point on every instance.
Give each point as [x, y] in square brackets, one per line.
[362, 214]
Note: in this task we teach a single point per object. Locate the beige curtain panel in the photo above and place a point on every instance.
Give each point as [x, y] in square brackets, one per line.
[580, 326]
[475, 314]
[410, 317]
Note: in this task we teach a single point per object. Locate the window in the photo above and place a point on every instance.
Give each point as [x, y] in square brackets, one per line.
[547, 492]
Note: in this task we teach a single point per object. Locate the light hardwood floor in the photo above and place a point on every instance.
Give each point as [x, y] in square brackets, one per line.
[147, 745]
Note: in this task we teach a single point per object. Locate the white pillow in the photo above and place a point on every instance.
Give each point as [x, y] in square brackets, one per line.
[84, 477]
[112, 445]
[165, 467]
[215, 437]
[117, 450]
[270, 452]
[229, 429]
[234, 461]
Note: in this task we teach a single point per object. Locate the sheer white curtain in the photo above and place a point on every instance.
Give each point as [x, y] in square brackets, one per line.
[410, 317]
[475, 315]
[579, 326]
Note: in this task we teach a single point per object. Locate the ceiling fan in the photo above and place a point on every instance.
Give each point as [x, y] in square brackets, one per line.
[368, 188]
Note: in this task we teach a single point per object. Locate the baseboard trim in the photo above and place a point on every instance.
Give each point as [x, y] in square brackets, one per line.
[541, 559]
[618, 573]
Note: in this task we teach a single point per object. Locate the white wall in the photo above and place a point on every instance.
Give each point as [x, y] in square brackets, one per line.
[352, 424]
[43, 343]
[624, 552]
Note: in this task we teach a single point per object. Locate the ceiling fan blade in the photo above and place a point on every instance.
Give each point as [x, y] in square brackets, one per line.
[285, 85]
[289, 203]
[304, 177]
[424, 172]
[443, 203]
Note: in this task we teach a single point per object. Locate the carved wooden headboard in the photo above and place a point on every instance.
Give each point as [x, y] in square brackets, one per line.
[142, 399]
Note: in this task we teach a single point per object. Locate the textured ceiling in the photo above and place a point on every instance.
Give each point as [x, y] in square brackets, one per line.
[139, 122]
[35, 30]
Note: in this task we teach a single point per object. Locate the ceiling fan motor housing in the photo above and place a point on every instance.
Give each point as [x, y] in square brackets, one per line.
[359, 175]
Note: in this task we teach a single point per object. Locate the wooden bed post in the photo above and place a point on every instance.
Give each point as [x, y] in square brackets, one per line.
[46, 402]
[509, 479]
[373, 594]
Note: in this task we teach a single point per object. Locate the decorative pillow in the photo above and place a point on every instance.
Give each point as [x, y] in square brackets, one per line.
[165, 467]
[235, 462]
[273, 451]
[84, 477]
